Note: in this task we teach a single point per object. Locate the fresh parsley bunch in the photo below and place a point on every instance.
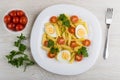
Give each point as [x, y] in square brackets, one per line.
[18, 58]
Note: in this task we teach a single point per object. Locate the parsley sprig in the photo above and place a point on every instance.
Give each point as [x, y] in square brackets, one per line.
[50, 43]
[54, 50]
[64, 19]
[18, 58]
[83, 51]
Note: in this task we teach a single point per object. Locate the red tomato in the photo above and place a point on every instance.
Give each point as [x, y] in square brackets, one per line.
[60, 40]
[13, 13]
[7, 19]
[11, 26]
[20, 13]
[15, 20]
[46, 43]
[73, 44]
[51, 55]
[71, 30]
[86, 42]
[78, 57]
[74, 18]
[19, 27]
[53, 19]
[23, 20]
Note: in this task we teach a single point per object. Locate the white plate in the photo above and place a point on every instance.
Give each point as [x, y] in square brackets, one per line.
[52, 65]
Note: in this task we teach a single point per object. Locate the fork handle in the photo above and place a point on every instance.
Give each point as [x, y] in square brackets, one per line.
[106, 54]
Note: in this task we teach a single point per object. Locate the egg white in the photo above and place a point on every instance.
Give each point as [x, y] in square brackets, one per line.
[52, 27]
[59, 56]
[83, 28]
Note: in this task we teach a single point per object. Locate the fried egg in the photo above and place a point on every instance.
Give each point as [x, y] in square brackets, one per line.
[64, 56]
[80, 31]
[50, 30]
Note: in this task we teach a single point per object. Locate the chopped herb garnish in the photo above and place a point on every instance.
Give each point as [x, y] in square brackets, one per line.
[50, 43]
[64, 19]
[54, 50]
[83, 51]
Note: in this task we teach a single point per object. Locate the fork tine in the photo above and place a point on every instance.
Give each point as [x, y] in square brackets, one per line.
[109, 13]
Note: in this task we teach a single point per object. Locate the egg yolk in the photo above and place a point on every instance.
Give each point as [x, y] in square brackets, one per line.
[49, 29]
[65, 56]
[81, 32]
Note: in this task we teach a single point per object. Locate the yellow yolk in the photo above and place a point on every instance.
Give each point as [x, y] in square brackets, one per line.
[49, 29]
[81, 32]
[65, 56]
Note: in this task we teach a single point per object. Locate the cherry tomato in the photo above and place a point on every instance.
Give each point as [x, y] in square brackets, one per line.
[86, 42]
[13, 13]
[23, 20]
[78, 57]
[73, 44]
[7, 19]
[19, 27]
[46, 43]
[15, 20]
[53, 19]
[20, 13]
[60, 40]
[74, 18]
[11, 26]
[71, 30]
[51, 55]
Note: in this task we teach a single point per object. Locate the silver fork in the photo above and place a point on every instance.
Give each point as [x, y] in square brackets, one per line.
[108, 21]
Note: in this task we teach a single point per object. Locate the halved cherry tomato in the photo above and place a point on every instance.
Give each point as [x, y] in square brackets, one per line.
[60, 40]
[23, 20]
[73, 44]
[51, 55]
[11, 26]
[19, 27]
[20, 13]
[78, 57]
[13, 13]
[86, 42]
[53, 19]
[15, 20]
[7, 19]
[74, 18]
[46, 43]
[71, 30]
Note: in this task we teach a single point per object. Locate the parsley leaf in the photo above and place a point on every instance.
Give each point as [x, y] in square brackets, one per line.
[50, 43]
[66, 23]
[21, 37]
[64, 19]
[83, 51]
[22, 47]
[54, 50]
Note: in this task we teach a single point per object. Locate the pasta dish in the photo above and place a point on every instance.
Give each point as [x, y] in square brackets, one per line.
[65, 38]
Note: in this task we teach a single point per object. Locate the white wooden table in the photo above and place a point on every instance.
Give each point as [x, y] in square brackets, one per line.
[103, 69]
